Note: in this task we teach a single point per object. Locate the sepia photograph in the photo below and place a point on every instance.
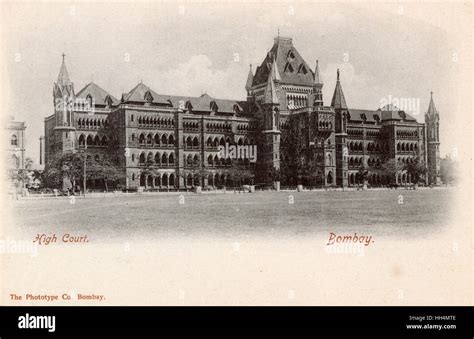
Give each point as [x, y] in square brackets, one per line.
[198, 153]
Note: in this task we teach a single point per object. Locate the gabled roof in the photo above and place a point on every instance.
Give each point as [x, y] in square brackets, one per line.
[338, 100]
[283, 53]
[201, 103]
[137, 94]
[97, 93]
[370, 115]
[357, 115]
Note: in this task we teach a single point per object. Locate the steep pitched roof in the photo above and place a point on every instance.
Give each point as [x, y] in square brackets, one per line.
[370, 115]
[432, 111]
[137, 94]
[317, 77]
[291, 67]
[97, 93]
[63, 77]
[338, 100]
[270, 96]
[248, 84]
[358, 114]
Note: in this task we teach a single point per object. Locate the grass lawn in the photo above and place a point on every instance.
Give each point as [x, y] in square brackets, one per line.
[270, 214]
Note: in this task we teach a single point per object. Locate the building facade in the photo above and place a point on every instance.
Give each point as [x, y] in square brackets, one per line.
[15, 144]
[163, 141]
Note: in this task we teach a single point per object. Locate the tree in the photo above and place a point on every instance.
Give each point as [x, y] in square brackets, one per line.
[391, 168]
[105, 169]
[448, 171]
[416, 170]
[364, 174]
[67, 166]
[149, 169]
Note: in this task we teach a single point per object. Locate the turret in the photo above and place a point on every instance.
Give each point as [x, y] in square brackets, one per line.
[432, 141]
[317, 87]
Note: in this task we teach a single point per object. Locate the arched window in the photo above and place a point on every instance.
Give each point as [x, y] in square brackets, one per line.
[14, 140]
[82, 140]
[195, 142]
[196, 160]
[171, 140]
[164, 140]
[90, 101]
[142, 158]
[189, 160]
[171, 159]
[189, 142]
[15, 161]
[164, 159]
[149, 158]
[141, 139]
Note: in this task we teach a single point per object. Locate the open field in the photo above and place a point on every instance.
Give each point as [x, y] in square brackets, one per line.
[228, 215]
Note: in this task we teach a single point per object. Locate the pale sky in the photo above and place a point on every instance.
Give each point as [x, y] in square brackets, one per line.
[383, 51]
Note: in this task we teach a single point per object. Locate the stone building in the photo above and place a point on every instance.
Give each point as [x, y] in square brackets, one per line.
[164, 141]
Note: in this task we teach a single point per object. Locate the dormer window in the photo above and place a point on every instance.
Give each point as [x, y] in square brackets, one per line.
[402, 115]
[363, 117]
[188, 106]
[236, 109]
[302, 69]
[108, 101]
[148, 97]
[213, 106]
[291, 55]
[288, 68]
[89, 101]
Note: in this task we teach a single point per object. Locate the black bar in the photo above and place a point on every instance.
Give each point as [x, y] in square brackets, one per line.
[122, 320]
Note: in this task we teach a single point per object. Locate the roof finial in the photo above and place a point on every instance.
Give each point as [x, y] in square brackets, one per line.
[64, 55]
[431, 94]
[338, 74]
[278, 32]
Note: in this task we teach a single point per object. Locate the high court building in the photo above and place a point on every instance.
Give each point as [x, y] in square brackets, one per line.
[284, 109]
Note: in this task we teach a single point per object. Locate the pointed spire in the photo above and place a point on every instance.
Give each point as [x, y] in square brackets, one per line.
[338, 100]
[432, 111]
[270, 96]
[248, 85]
[317, 77]
[274, 71]
[63, 77]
